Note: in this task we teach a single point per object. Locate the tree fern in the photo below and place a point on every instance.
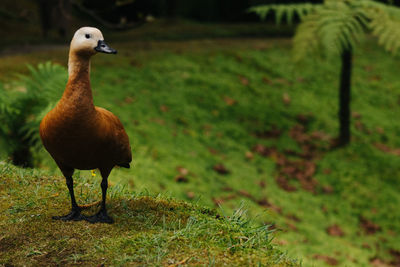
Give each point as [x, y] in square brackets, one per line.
[336, 25]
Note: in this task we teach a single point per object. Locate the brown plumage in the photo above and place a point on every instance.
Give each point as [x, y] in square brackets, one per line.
[79, 135]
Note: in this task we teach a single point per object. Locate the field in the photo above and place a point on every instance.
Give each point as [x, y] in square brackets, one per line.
[227, 123]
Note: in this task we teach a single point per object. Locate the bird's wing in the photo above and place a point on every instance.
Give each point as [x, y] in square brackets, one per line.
[114, 135]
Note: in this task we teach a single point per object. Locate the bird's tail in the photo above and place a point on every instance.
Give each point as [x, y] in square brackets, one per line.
[124, 165]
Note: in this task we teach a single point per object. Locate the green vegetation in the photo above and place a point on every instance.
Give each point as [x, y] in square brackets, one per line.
[335, 28]
[153, 230]
[23, 107]
[195, 110]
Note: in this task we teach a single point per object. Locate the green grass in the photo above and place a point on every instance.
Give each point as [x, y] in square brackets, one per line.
[174, 99]
[149, 230]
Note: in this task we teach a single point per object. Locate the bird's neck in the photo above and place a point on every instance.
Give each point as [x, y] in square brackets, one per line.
[78, 88]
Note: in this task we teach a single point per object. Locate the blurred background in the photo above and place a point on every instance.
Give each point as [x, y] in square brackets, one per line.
[291, 110]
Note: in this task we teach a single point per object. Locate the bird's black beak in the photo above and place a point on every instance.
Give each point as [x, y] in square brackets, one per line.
[104, 48]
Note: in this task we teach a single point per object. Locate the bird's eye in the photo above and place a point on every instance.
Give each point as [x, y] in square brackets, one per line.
[87, 36]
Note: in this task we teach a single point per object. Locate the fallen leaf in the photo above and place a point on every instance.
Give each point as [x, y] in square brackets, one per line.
[291, 226]
[264, 151]
[244, 80]
[284, 184]
[327, 171]
[164, 108]
[378, 262]
[356, 115]
[213, 151]
[271, 226]
[293, 217]
[229, 197]
[327, 259]
[181, 179]
[221, 169]
[320, 136]
[286, 99]
[375, 78]
[229, 101]
[335, 230]
[190, 195]
[274, 132]
[183, 171]
[217, 201]
[263, 202]
[368, 226]
[396, 255]
[227, 189]
[368, 68]
[300, 79]
[281, 242]
[324, 209]
[360, 126]
[180, 263]
[129, 100]
[282, 81]
[303, 118]
[366, 245]
[249, 155]
[386, 149]
[266, 80]
[380, 130]
[244, 193]
[158, 121]
[327, 189]
[86, 206]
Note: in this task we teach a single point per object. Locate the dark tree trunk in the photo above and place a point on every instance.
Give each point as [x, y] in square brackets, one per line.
[345, 97]
[45, 7]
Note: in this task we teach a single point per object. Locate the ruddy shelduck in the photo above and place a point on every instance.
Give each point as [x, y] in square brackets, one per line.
[79, 135]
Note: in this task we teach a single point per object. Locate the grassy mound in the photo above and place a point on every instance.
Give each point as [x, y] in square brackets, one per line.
[148, 230]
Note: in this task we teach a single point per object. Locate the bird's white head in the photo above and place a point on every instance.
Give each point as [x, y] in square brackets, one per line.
[88, 40]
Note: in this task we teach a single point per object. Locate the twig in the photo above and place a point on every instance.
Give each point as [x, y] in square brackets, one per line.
[86, 206]
[179, 263]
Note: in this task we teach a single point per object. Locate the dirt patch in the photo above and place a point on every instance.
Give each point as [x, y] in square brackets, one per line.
[368, 226]
[9, 243]
[298, 165]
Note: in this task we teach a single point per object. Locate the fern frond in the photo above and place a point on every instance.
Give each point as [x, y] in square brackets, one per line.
[288, 11]
[305, 41]
[385, 25]
[330, 30]
[47, 81]
[22, 110]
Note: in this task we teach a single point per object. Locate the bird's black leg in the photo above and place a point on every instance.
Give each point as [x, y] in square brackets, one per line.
[102, 215]
[75, 214]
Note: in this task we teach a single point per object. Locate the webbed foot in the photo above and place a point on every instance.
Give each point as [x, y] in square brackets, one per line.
[74, 215]
[100, 217]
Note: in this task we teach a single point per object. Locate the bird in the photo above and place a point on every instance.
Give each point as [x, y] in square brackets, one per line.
[79, 135]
